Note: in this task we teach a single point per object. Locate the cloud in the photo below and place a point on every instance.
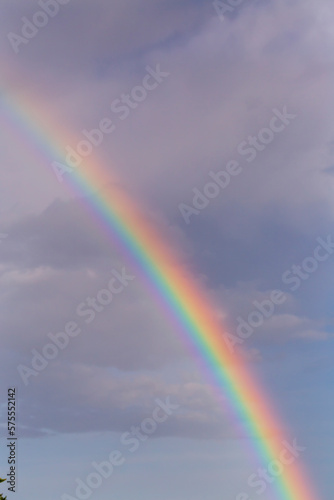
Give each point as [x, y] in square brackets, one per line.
[280, 322]
[225, 79]
[123, 30]
[81, 399]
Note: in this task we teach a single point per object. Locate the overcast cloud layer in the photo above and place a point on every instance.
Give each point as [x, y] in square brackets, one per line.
[224, 81]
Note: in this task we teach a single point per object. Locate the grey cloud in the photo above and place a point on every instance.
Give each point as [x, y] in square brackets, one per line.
[81, 399]
[90, 37]
[225, 78]
[51, 264]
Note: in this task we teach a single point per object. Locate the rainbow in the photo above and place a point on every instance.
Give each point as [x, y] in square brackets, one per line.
[177, 291]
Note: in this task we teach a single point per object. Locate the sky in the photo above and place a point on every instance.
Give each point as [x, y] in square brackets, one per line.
[218, 121]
